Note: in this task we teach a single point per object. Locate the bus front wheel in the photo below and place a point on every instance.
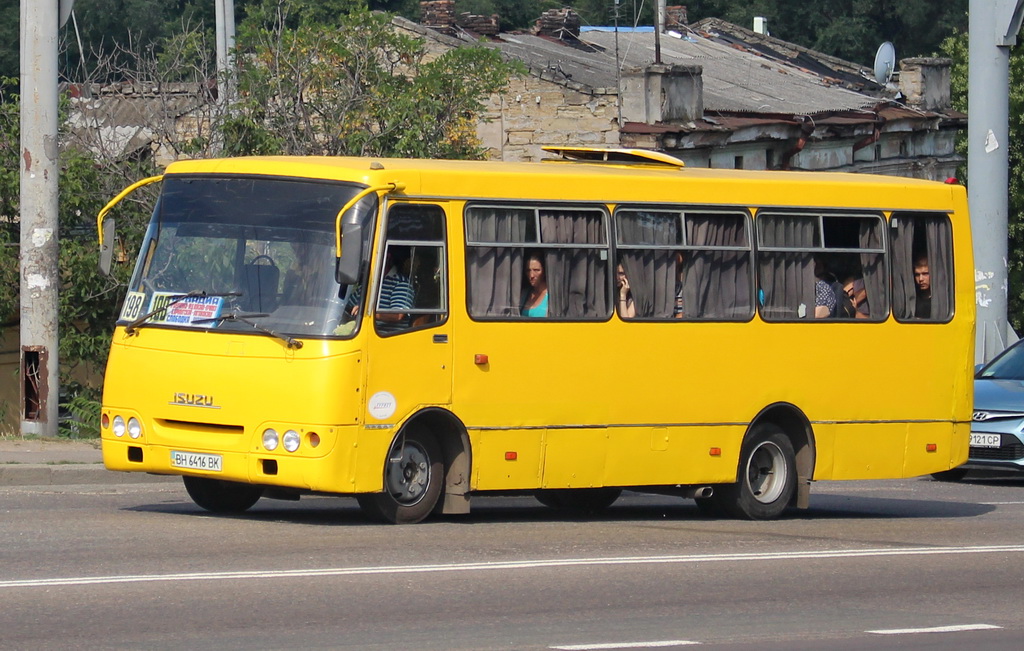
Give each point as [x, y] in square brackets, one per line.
[767, 476]
[219, 496]
[413, 478]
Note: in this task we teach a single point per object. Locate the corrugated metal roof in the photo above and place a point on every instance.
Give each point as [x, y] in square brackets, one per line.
[735, 80]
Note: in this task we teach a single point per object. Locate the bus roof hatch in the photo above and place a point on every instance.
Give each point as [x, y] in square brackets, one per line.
[615, 155]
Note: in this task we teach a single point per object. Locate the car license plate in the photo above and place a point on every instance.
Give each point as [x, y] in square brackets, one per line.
[985, 440]
[196, 461]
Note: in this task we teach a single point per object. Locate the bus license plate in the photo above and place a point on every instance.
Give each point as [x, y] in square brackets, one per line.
[985, 440]
[196, 461]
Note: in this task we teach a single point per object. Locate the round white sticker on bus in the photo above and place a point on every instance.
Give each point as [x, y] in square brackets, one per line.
[382, 405]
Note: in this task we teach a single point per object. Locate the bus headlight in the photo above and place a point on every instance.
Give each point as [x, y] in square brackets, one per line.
[119, 426]
[134, 428]
[291, 440]
[270, 440]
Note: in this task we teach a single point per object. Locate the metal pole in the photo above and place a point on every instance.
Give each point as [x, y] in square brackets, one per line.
[225, 14]
[39, 249]
[993, 28]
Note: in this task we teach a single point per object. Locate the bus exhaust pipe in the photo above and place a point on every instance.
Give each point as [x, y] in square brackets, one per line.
[699, 492]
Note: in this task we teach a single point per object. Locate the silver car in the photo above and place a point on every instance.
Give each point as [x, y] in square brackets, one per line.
[997, 430]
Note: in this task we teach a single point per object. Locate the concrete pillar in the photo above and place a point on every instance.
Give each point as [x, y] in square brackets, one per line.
[993, 29]
[39, 175]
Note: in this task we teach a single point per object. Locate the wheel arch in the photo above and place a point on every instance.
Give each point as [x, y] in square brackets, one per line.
[797, 428]
[452, 437]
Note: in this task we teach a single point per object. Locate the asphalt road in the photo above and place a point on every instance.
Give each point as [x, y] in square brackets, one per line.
[898, 564]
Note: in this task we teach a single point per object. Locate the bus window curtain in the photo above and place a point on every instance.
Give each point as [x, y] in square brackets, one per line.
[651, 272]
[716, 284]
[787, 278]
[936, 242]
[873, 268]
[940, 265]
[904, 293]
[577, 277]
[495, 272]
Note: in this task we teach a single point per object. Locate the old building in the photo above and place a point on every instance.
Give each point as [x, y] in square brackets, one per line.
[712, 94]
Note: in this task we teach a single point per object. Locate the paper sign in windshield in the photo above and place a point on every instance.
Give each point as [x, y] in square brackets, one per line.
[132, 308]
[186, 311]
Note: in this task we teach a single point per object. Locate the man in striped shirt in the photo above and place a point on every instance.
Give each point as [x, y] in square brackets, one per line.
[396, 293]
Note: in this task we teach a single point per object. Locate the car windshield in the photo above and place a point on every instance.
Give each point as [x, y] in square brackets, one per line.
[1008, 366]
[243, 254]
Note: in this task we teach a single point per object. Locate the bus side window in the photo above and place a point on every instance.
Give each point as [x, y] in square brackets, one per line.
[922, 266]
[715, 275]
[805, 262]
[570, 246]
[685, 264]
[411, 292]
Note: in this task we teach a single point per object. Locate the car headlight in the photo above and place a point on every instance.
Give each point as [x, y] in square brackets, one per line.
[291, 440]
[119, 426]
[270, 439]
[134, 428]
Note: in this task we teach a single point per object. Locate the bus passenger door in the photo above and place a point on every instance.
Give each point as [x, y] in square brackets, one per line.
[409, 352]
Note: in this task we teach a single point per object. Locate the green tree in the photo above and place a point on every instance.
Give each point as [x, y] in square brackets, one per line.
[361, 89]
[87, 300]
[850, 29]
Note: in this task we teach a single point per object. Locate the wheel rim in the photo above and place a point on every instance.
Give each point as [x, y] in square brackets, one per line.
[766, 472]
[408, 475]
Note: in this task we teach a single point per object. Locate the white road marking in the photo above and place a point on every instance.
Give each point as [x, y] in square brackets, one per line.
[511, 565]
[661, 644]
[999, 503]
[935, 629]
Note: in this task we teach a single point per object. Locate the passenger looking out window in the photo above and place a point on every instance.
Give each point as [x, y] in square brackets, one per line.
[854, 289]
[536, 301]
[624, 303]
[825, 301]
[923, 286]
[922, 265]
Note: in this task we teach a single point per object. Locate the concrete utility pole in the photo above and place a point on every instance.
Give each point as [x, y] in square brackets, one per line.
[225, 15]
[994, 25]
[39, 171]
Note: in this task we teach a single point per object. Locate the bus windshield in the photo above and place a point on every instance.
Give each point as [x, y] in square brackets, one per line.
[250, 254]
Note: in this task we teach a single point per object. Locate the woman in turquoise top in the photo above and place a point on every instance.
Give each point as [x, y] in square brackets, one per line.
[536, 303]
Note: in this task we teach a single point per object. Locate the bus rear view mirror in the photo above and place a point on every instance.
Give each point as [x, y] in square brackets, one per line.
[347, 271]
[107, 249]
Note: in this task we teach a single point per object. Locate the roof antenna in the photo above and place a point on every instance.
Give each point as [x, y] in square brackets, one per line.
[618, 68]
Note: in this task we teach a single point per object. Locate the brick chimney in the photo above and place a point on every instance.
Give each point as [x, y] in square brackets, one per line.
[438, 15]
[558, 23]
[482, 25]
[675, 17]
[924, 82]
[662, 93]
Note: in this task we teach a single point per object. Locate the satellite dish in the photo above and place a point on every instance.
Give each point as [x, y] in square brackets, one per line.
[885, 62]
[63, 11]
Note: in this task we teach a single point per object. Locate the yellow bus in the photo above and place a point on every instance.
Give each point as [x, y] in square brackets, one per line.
[414, 333]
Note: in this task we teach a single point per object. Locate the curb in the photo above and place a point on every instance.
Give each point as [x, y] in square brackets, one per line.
[33, 474]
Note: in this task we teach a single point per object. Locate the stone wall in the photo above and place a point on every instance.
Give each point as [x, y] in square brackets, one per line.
[534, 113]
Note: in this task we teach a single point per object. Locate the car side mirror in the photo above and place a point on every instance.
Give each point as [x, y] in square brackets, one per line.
[347, 270]
[107, 250]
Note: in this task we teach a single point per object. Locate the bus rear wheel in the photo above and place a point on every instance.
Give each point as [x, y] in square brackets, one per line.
[219, 496]
[587, 500]
[767, 476]
[413, 479]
